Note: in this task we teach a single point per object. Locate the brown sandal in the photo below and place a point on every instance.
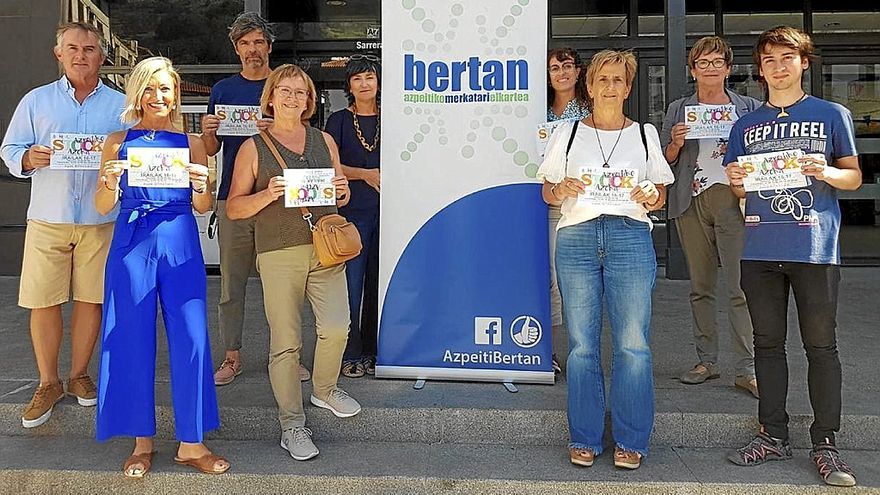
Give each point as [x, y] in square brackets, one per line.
[145, 460]
[581, 457]
[204, 464]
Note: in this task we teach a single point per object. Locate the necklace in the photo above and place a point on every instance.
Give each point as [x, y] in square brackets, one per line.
[357, 129]
[601, 150]
[150, 135]
[782, 113]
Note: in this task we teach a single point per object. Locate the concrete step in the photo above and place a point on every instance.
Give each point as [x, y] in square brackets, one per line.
[455, 425]
[68, 465]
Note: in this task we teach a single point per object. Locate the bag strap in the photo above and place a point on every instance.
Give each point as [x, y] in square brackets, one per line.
[306, 214]
[644, 140]
[574, 129]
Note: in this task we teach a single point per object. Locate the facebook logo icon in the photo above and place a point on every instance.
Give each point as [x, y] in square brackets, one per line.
[487, 330]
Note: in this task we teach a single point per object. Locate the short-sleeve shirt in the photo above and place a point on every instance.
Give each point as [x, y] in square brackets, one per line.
[629, 153]
[340, 126]
[574, 110]
[797, 224]
[234, 90]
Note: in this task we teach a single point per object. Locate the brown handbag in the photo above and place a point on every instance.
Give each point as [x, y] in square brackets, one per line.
[336, 240]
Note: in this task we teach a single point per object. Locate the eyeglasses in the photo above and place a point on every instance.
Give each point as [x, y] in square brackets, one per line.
[286, 92]
[717, 63]
[364, 56]
[565, 67]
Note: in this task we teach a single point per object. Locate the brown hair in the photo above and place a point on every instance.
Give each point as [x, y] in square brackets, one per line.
[783, 36]
[283, 72]
[710, 44]
[562, 54]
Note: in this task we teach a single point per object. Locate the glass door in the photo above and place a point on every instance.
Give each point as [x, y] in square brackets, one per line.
[192, 122]
[854, 82]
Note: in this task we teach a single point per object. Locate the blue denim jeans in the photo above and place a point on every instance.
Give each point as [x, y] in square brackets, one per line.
[362, 277]
[609, 257]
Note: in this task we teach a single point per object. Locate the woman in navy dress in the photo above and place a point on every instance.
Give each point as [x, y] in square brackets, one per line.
[155, 256]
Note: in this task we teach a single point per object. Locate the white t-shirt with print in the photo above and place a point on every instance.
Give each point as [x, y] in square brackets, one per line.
[585, 152]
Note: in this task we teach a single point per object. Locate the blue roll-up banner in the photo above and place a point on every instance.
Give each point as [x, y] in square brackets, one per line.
[464, 277]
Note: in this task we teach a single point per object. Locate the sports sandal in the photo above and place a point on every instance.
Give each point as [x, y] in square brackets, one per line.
[146, 460]
[204, 463]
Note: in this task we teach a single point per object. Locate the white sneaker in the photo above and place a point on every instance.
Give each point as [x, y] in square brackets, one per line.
[298, 443]
[339, 403]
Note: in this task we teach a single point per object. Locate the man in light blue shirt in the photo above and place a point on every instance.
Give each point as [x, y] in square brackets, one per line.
[67, 240]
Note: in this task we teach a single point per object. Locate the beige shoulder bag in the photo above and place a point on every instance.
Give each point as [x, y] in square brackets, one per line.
[336, 239]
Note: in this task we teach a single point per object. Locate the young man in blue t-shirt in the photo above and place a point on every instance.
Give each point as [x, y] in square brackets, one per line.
[791, 243]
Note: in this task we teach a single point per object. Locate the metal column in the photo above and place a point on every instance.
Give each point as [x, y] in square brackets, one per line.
[676, 61]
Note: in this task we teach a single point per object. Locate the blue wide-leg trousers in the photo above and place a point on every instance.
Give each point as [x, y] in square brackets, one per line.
[138, 275]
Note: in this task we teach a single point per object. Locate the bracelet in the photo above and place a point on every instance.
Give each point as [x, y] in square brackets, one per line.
[200, 191]
[108, 187]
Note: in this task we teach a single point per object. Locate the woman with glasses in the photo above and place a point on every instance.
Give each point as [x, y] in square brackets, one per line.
[286, 260]
[566, 100]
[612, 175]
[707, 214]
[355, 130]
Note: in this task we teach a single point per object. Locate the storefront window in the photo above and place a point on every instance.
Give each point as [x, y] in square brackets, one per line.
[845, 16]
[599, 19]
[185, 31]
[857, 87]
[188, 32]
[755, 16]
[699, 18]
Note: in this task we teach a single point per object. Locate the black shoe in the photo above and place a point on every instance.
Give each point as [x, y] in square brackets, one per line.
[832, 469]
[761, 449]
[369, 365]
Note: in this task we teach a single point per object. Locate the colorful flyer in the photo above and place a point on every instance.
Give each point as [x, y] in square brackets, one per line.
[158, 167]
[771, 171]
[309, 187]
[709, 121]
[238, 120]
[608, 186]
[545, 130]
[72, 151]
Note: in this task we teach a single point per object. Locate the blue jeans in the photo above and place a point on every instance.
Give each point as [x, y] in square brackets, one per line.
[362, 276]
[611, 257]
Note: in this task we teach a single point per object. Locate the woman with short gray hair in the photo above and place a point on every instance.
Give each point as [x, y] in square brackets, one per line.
[707, 214]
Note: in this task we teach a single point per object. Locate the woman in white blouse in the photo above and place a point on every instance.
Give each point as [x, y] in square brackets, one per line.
[607, 172]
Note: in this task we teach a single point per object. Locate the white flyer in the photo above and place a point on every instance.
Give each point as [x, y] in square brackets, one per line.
[709, 121]
[544, 131]
[309, 187]
[73, 151]
[158, 167]
[770, 171]
[607, 186]
[238, 120]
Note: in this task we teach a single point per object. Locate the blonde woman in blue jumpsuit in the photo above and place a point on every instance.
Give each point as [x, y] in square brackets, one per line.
[155, 256]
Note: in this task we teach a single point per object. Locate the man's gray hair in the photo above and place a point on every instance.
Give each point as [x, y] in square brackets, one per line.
[247, 22]
[83, 26]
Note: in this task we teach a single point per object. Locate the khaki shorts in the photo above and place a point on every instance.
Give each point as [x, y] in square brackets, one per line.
[61, 256]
